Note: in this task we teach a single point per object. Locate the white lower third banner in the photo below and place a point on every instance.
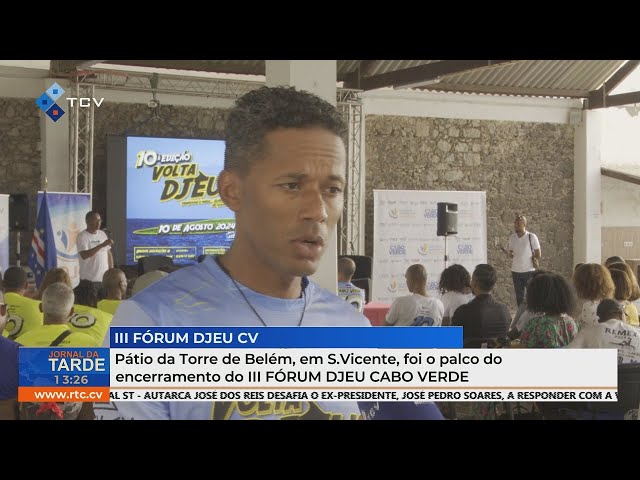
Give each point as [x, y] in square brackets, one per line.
[192, 374]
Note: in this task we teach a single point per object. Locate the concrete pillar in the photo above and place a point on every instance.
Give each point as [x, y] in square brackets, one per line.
[55, 145]
[589, 137]
[318, 77]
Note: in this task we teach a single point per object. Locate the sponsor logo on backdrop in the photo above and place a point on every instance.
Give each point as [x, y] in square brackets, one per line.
[423, 249]
[392, 286]
[398, 249]
[433, 286]
[396, 212]
[465, 249]
[430, 213]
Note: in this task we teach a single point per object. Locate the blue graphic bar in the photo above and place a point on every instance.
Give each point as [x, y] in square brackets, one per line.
[285, 337]
[63, 367]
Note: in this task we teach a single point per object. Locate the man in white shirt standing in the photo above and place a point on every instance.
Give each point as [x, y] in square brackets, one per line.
[523, 246]
[94, 248]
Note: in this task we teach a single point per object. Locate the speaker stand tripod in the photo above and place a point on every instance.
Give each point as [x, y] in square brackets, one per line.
[446, 252]
[18, 248]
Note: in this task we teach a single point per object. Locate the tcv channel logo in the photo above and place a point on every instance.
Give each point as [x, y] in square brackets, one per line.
[47, 102]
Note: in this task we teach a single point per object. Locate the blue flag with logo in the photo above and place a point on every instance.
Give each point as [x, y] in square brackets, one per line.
[43, 256]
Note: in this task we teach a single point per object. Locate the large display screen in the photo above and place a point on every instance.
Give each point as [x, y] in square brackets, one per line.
[172, 203]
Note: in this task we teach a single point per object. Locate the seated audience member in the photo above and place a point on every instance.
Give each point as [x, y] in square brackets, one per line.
[483, 319]
[55, 275]
[523, 314]
[593, 283]
[400, 411]
[86, 294]
[51, 410]
[614, 259]
[87, 318]
[148, 279]
[622, 293]
[552, 299]
[347, 290]
[8, 370]
[23, 313]
[114, 284]
[169, 268]
[635, 288]
[611, 332]
[455, 287]
[418, 308]
[57, 309]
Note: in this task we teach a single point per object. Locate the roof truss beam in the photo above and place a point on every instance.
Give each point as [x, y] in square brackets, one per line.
[66, 67]
[419, 74]
[601, 99]
[625, 177]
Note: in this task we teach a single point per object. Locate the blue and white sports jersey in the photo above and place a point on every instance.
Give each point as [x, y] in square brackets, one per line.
[203, 294]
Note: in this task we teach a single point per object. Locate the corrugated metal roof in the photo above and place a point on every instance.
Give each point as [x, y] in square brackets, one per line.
[570, 75]
[546, 78]
[377, 67]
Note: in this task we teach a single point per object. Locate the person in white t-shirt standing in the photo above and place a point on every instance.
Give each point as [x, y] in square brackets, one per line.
[94, 249]
[418, 308]
[523, 246]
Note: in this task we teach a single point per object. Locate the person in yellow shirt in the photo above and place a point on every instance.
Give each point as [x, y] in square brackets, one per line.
[57, 309]
[87, 318]
[8, 370]
[114, 284]
[624, 291]
[24, 313]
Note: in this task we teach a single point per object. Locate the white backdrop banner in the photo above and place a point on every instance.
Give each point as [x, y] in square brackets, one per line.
[405, 232]
[4, 232]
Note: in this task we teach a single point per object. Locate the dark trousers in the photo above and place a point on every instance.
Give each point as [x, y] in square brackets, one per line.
[520, 280]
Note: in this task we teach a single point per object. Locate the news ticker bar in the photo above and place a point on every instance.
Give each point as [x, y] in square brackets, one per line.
[285, 337]
[179, 374]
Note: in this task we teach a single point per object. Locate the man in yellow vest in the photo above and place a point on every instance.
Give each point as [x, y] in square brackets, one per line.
[87, 318]
[57, 307]
[24, 313]
[114, 284]
[8, 371]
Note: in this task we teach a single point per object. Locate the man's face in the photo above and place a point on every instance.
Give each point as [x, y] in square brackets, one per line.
[123, 283]
[93, 222]
[520, 225]
[291, 199]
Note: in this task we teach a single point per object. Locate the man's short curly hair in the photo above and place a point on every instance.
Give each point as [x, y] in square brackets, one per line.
[454, 278]
[270, 108]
